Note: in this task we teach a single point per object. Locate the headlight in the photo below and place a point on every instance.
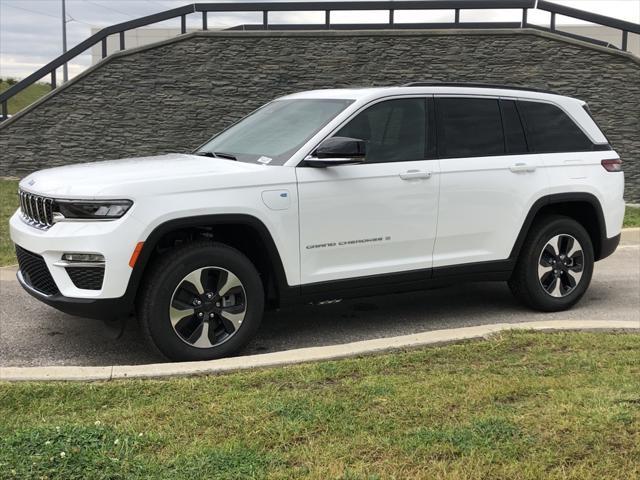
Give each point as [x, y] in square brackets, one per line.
[90, 209]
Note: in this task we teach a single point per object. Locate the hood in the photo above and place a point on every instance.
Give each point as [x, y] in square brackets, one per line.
[126, 176]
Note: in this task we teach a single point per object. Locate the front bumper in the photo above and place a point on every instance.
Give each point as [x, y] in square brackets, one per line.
[115, 240]
[99, 309]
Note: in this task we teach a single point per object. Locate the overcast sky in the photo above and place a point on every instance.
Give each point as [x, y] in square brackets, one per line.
[30, 30]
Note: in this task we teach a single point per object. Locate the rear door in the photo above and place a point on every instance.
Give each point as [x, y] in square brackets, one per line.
[488, 179]
[377, 217]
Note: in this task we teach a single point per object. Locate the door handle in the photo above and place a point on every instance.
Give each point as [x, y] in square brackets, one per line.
[522, 167]
[413, 174]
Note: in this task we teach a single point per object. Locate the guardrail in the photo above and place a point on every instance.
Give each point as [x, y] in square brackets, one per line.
[327, 7]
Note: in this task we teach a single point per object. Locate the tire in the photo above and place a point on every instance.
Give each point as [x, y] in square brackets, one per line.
[230, 308]
[535, 281]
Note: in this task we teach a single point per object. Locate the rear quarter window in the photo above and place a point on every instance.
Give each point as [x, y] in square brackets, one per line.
[550, 129]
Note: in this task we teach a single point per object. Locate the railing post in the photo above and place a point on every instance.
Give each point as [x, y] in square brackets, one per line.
[104, 47]
[183, 24]
[327, 18]
[524, 18]
[204, 20]
[553, 21]
[391, 15]
[121, 40]
[53, 79]
[457, 17]
[5, 111]
[265, 19]
[625, 38]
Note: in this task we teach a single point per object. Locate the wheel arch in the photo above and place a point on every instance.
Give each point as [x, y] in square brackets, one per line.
[583, 207]
[240, 231]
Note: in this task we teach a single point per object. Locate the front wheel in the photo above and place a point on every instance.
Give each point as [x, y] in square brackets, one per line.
[555, 265]
[202, 301]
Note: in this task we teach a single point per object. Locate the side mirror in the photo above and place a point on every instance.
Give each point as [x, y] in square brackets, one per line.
[337, 151]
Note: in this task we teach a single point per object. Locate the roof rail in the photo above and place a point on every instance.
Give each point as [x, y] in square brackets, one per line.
[475, 85]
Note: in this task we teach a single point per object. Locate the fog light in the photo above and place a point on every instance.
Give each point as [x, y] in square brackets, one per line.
[83, 257]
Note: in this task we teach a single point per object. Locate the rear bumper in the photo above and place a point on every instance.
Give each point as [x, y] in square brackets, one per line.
[609, 246]
[98, 308]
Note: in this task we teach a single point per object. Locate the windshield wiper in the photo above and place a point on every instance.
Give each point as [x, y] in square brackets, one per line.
[226, 156]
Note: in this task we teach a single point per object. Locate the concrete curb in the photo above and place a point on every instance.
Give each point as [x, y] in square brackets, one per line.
[302, 355]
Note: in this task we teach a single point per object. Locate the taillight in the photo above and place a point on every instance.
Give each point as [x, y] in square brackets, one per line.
[612, 165]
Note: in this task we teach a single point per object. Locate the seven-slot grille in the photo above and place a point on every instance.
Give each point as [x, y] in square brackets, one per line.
[36, 210]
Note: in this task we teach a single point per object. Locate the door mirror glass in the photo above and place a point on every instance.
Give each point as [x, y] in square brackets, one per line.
[338, 151]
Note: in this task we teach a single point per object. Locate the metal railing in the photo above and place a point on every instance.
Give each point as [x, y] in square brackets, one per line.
[602, 20]
[327, 7]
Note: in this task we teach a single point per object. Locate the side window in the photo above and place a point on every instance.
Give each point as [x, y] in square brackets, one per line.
[395, 130]
[469, 127]
[514, 137]
[551, 130]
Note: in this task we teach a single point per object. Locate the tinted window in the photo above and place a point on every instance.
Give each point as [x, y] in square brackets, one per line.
[551, 130]
[514, 137]
[394, 130]
[469, 127]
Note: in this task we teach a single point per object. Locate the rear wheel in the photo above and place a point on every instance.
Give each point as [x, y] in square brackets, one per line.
[555, 265]
[202, 301]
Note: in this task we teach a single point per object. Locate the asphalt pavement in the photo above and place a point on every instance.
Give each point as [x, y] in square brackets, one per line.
[33, 334]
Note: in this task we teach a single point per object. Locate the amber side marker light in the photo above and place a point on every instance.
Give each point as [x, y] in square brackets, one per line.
[135, 254]
[612, 165]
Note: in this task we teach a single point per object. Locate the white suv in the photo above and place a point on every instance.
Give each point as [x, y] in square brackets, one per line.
[325, 195]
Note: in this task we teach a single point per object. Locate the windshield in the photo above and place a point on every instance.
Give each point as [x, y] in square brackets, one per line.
[273, 133]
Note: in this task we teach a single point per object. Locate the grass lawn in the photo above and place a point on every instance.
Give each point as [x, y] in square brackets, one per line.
[632, 217]
[520, 405]
[9, 203]
[26, 97]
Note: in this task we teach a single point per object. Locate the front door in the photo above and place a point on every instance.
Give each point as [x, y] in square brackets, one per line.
[379, 216]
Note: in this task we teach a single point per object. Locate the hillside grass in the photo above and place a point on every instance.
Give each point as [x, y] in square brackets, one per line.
[8, 205]
[517, 406]
[631, 217]
[26, 97]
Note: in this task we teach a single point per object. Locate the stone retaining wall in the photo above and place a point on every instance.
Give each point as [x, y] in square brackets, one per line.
[172, 96]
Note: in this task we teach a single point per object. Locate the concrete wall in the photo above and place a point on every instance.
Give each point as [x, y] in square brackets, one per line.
[144, 36]
[138, 37]
[174, 95]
